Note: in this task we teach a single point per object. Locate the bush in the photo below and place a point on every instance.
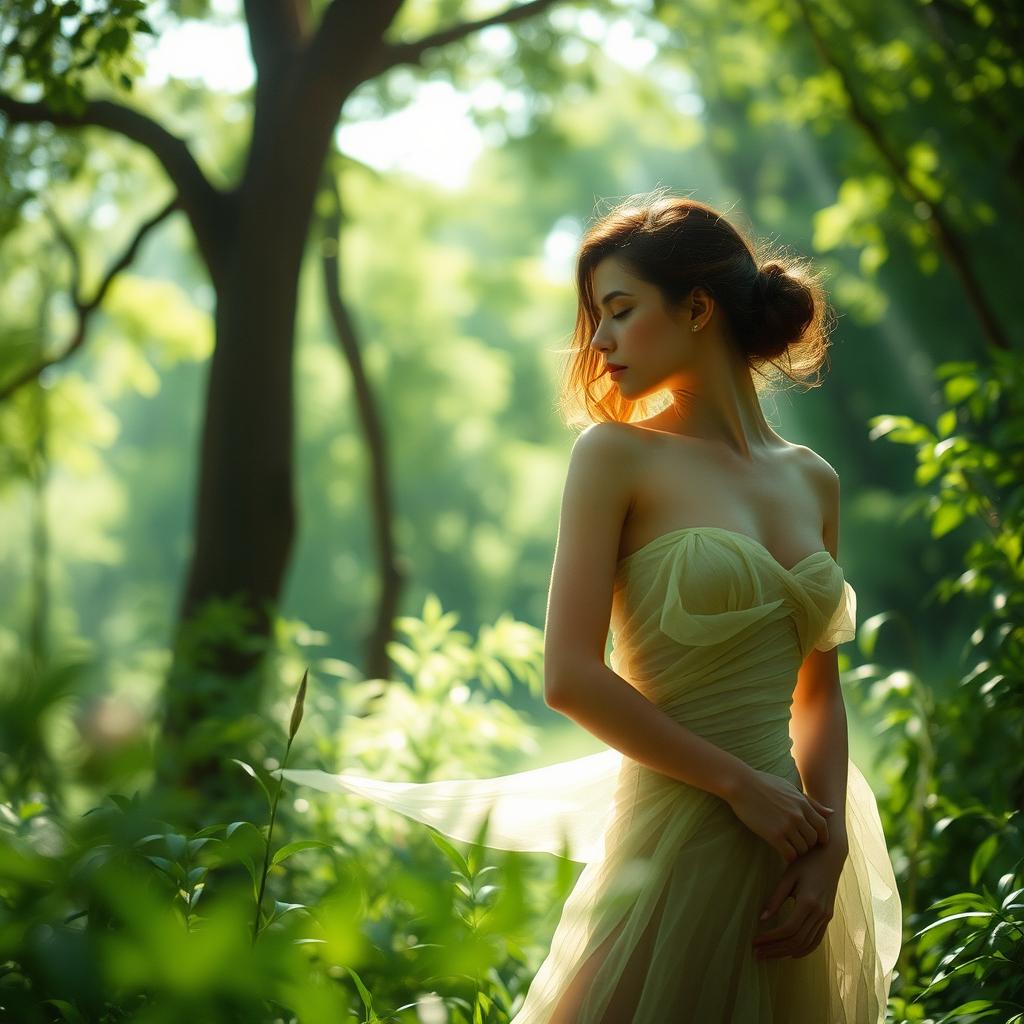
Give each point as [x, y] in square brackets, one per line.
[121, 915]
[951, 747]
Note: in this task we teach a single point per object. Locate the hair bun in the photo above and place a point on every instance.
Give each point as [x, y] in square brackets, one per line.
[770, 278]
[787, 309]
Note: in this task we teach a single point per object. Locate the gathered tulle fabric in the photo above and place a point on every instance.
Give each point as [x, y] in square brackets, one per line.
[712, 629]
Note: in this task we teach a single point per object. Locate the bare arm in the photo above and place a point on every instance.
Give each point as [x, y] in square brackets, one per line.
[818, 725]
[577, 683]
[606, 705]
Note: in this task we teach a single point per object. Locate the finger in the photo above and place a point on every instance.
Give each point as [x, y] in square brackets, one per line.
[819, 823]
[810, 833]
[786, 850]
[799, 841]
[791, 944]
[785, 931]
[810, 944]
[809, 938]
[778, 896]
[819, 806]
[816, 940]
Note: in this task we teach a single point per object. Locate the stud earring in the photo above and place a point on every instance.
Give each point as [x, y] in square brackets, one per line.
[696, 327]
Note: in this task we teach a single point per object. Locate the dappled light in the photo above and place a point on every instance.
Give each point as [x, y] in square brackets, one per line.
[302, 354]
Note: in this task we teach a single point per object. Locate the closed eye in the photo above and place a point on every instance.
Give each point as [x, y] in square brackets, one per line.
[625, 312]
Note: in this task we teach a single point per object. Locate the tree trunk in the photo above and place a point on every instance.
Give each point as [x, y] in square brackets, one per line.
[252, 241]
[245, 515]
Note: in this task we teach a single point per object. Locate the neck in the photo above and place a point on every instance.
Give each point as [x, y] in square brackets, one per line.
[722, 407]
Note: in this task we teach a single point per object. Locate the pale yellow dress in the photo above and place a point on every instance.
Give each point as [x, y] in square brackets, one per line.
[711, 628]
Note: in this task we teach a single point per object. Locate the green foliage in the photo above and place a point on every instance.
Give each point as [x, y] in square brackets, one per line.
[121, 916]
[56, 43]
[120, 913]
[443, 719]
[950, 747]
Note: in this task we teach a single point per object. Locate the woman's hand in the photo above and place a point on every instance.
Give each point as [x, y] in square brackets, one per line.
[812, 881]
[773, 808]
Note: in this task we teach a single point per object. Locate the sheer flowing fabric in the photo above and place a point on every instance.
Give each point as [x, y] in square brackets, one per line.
[712, 629]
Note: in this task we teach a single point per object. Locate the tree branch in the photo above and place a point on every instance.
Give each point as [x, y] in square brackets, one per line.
[276, 31]
[85, 309]
[391, 54]
[949, 242]
[204, 205]
[355, 30]
[390, 564]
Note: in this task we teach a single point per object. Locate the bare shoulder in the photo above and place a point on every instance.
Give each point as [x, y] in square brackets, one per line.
[608, 453]
[819, 470]
[608, 438]
[824, 482]
[624, 445]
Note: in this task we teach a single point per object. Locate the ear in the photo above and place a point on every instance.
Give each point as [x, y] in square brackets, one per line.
[702, 304]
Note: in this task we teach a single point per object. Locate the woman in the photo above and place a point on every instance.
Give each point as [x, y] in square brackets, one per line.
[736, 869]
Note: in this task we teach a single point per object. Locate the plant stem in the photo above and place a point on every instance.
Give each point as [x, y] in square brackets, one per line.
[266, 853]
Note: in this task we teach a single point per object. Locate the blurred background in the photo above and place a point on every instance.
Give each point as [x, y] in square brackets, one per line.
[284, 293]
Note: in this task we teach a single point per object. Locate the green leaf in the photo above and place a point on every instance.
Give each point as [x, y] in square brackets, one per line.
[300, 700]
[250, 866]
[947, 518]
[954, 368]
[281, 908]
[209, 830]
[68, 1010]
[148, 839]
[973, 1006]
[176, 844]
[900, 429]
[449, 851]
[302, 844]
[984, 853]
[30, 809]
[958, 389]
[364, 994]
[1010, 898]
[946, 423]
[485, 892]
[168, 867]
[249, 770]
[926, 473]
[953, 917]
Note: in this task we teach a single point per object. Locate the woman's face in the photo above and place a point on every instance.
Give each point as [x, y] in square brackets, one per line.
[636, 331]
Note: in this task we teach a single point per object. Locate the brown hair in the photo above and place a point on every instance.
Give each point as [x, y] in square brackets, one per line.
[774, 303]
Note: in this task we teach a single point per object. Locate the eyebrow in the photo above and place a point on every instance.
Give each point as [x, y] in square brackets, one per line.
[611, 295]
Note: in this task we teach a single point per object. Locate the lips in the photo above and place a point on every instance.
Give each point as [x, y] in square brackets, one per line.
[611, 367]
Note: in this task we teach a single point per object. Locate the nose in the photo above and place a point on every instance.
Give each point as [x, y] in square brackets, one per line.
[598, 341]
